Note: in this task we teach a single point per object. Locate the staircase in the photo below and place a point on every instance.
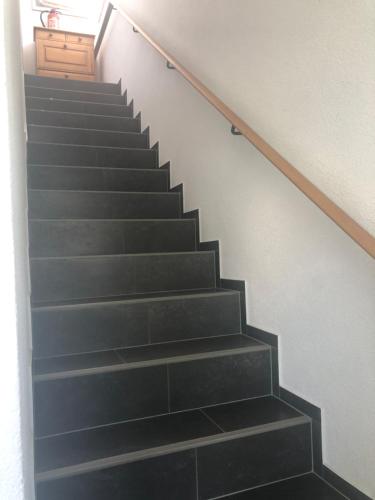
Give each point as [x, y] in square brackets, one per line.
[145, 386]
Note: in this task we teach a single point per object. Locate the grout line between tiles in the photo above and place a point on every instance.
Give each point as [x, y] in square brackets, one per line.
[196, 474]
[212, 420]
[259, 486]
[330, 485]
[168, 389]
[145, 418]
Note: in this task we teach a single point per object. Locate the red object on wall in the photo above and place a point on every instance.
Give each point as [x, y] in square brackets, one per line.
[53, 20]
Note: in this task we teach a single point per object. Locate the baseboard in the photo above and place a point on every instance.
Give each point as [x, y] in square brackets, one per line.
[312, 411]
[342, 486]
[238, 286]
[273, 341]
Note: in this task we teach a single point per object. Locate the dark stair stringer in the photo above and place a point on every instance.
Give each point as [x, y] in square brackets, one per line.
[146, 385]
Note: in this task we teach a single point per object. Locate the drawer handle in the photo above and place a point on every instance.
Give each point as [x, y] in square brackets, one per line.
[65, 46]
[50, 35]
[80, 39]
[66, 76]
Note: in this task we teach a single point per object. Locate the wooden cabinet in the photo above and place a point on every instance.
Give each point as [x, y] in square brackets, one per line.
[63, 54]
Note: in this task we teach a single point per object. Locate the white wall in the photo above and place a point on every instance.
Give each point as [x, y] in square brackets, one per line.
[302, 73]
[306, 280]
[16, 463]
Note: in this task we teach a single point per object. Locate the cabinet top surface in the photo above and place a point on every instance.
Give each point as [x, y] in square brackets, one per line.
[40, 28]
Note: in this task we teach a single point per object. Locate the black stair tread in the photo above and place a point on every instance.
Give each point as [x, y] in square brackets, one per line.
[84, 115]
[45, 81]
[84, 446]
[69, 90]
[97, 178]
[70, 93]
[90, 130]
[89, 146]
[306, 487]
[91, 167]
[144, 355]
[111, 221]
[103, 204]
[126, 157]
[140, 438]
[110, 110]
[83, 136]
[91, 121]
[234, 416]
[141, 297]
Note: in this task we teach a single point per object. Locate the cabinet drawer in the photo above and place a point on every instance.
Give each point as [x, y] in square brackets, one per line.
[65, 75]
[85, 40]
[68, 57]
[50, 35]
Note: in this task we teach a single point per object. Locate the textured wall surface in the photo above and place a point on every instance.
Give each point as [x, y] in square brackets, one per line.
[301, 73]
[16, 442]
[306, 280]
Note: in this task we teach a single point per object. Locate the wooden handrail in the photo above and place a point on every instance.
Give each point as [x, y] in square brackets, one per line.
[362, 237]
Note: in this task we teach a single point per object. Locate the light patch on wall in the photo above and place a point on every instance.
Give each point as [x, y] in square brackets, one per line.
[78, 8]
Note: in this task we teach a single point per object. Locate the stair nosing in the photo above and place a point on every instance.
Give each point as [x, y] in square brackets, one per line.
[149, 150]
[169, 193]
[113, 461]
[98, 168]
[40, 125]
[112, 220]
[52, 111]
[69, 90]
[124, 366]
[169, 342]
[120, 255]
[76, 101]
[135, 300]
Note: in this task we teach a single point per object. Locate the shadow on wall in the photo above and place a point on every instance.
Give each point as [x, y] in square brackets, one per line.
[29, 56]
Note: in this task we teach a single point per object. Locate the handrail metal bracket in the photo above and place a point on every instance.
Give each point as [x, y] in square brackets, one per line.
[135, 30]
[235, 130]
[170, 66]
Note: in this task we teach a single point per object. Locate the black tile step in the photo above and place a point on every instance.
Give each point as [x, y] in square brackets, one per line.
[68, 238]
[81, 120]
[74, 95]
[87, 137]
[58, 456]
[51, 204]
[148, 319]
[83, 85]
[97, 178]
[143, 356]
[93, 108]
[305, 487]
[116, 391]
[59, 279]
[39, 153]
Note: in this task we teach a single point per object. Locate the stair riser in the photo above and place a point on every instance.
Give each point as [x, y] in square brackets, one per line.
[94, 277]
[83, 86]
[60, 154]
[97, 179]
[76, 238]
[193, 474]
[59, 119]
[105, 326]
[41, 133]
[79, 107]
[73, 95]
[102, 205]
[141, 392]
